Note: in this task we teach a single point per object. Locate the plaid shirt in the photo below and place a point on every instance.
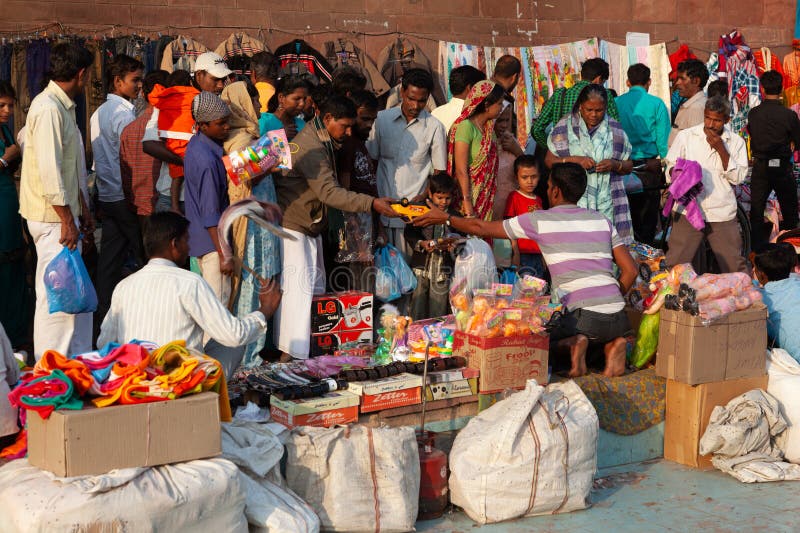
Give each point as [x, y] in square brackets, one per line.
[561, 104]
[139, 171]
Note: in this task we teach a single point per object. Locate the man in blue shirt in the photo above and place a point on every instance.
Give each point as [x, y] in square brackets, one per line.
[206, 189]
[646, 121]
[773, 267]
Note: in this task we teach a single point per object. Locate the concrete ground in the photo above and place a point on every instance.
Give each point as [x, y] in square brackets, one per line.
[658, 496]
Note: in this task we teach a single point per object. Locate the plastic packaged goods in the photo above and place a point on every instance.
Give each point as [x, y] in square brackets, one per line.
[269, 151]
[646, 340]
[394, 277]
[355, 239]
[68, 285]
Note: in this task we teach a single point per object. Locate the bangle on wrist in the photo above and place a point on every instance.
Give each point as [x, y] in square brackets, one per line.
[3, 162]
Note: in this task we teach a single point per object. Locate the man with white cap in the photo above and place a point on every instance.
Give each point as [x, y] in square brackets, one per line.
[210, 74]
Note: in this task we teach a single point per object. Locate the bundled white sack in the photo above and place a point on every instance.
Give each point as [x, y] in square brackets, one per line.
[533, 453]
[204, 495]
[784, 385]
[356, 478]
[271, 507]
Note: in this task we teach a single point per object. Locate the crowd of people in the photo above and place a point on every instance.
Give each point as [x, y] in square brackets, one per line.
[563, 199]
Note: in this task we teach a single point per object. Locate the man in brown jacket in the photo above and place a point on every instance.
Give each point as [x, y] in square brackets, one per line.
[304, 192]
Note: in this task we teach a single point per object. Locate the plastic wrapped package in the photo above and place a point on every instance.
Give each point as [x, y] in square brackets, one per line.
[68, 285]
[475, 264]
[356, 478]
[646, 340]
[532, 453]
[394, 277]
[712, 310]
[204, 495]
[713, 286]
[270, 150]
[355, 239]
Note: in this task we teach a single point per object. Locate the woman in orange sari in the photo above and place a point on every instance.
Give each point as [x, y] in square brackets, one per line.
[472, 149]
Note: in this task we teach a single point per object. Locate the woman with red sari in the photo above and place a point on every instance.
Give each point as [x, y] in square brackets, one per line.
[472, 149]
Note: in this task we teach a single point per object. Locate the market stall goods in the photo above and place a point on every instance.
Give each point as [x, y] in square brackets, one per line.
[356, 478]
[204, 495]
[533, 453]
[784, 385]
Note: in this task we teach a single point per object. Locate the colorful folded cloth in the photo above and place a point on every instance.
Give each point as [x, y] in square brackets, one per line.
[80, 376]
[46, 393]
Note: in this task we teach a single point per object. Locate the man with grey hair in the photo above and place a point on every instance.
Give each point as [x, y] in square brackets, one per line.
[722, 155]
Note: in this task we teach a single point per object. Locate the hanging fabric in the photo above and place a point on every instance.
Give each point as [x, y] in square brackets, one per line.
[299, 51]
[181, 54]
[343, 52]
[237, 50]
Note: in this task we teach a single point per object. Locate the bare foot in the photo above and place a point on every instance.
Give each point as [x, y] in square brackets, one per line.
[577, 355]
[615, 358]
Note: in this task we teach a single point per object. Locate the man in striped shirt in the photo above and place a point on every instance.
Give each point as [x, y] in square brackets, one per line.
[163, 302]
[580, 247]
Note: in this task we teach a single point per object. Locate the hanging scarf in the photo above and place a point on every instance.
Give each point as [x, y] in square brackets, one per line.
[483, 169]
[605, 192]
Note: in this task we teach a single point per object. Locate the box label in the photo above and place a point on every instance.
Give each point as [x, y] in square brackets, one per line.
[332, 313]
[389, 400]
[504, 362]
[328, 343]
[333, 417]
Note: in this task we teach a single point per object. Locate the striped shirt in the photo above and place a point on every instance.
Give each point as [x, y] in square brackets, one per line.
[577, 246]
[162, 303]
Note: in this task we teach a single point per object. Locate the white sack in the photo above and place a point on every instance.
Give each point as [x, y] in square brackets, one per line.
[741, 437]
[270, 506]
[784, 385]
[204, 495]
[533, 453]
[356, 478]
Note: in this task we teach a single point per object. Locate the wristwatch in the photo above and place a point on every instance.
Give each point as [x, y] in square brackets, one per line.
[431, 243]
[3, 162]
[448, 220]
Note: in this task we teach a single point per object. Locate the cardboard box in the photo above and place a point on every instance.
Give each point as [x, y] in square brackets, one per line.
[340, 312]
[504, 362]
[731, 348]
[388, 393]
[98, 440]
[444, 390]
[688, 411]
[333, 408]
[327, 343]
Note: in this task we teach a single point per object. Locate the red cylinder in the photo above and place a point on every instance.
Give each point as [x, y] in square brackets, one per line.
[433, 494]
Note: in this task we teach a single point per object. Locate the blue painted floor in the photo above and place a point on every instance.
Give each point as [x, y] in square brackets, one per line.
[659, 496]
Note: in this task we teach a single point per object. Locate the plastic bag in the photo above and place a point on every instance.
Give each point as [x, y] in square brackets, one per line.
[394, 277]
[69, 287]
[355, 239]
[646, 340]
[475, 264]
[509, 275]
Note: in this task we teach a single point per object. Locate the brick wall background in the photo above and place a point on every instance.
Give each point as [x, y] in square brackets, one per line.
[503, 22]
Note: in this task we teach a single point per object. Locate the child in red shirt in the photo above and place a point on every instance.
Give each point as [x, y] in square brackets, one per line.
[525, 253]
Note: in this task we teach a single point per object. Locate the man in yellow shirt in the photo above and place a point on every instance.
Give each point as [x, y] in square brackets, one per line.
[263, 71]
[51, 200]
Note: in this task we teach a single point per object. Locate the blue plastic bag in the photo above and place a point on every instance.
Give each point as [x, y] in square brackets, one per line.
[394, 277]
[69, 288]
[509, 275]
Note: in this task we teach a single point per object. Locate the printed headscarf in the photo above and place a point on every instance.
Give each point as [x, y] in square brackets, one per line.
[208, 107]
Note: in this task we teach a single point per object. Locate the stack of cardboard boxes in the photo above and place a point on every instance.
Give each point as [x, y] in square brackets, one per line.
[706, 366]
[337, 319]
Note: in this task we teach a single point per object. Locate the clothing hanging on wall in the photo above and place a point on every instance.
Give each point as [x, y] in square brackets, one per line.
[181, 53]
[299, 51]
[237, 50]
[343, 52]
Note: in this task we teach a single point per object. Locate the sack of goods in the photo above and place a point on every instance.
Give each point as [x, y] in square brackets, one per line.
[533, 453]
[357, 478]
[203, 495]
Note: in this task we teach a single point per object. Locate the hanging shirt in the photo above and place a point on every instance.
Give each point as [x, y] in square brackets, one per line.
[181, 54]
[237, 50]
[646, 121]
[106, 126]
